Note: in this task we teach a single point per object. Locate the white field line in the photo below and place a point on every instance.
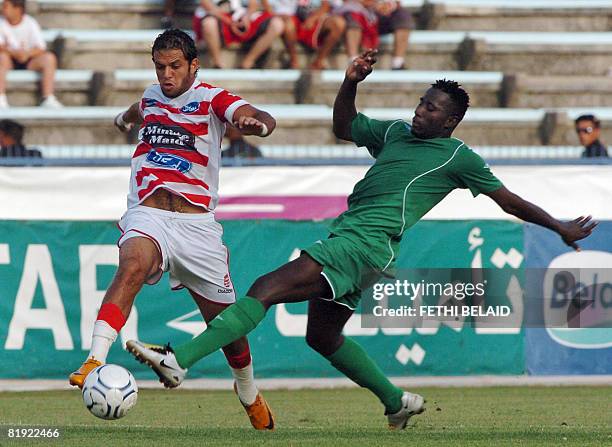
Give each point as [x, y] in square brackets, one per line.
[318, 383]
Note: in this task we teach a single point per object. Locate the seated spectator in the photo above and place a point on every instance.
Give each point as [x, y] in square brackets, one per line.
[588, 129]
[11, 141]
[167, 21]
[311, 25]
[368, 19]
[239, 147]
[23, 47]
[362, 25]
[395, 19]
[218, 27]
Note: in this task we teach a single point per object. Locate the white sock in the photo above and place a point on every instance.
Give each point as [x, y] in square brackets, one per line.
[245, 384]
[101, 341]
[397, 62]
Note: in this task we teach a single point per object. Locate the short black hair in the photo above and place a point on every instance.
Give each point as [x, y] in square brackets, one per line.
[176, 39]
[18, 3]
[588, 117]
[13, 129]
[458, 95]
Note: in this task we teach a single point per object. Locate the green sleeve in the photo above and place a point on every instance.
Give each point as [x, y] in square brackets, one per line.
[471, 171]
[369, 133]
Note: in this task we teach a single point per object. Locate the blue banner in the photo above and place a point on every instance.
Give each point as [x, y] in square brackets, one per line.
[570, 350]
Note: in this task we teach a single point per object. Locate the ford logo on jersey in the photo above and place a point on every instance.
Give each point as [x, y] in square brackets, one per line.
[191, 107]
[169, 161]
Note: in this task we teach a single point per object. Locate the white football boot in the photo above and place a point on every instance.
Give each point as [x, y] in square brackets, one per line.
[161, 359]
[411, 404]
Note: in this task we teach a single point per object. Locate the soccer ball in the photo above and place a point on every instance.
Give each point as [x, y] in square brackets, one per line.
[110, 391]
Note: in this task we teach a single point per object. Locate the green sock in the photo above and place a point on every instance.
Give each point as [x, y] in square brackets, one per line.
[237, 320]
[352, 361]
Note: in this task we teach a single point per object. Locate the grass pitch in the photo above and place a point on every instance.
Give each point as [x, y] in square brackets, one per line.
[530, 416]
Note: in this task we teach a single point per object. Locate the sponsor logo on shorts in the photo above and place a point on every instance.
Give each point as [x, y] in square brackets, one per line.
[191, 107]
[168, 137]
[225, 290]
[169, 161]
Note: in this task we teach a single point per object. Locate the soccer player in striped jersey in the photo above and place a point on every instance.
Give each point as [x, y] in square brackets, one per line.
[417, 165]
[170, 224]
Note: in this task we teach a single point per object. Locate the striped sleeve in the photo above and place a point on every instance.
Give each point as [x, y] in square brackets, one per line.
[224, 104]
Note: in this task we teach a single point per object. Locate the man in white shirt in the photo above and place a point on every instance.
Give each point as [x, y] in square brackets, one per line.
[23, 47]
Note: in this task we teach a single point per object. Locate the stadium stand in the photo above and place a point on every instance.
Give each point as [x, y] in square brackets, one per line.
[260, 86]
[481, 15]
[384, 88]
[72, 87]
[490, 15]
[556, 53]
[308, 123]
[530, 67]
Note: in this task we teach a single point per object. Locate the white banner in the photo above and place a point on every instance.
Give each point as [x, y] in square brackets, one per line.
[51, 193]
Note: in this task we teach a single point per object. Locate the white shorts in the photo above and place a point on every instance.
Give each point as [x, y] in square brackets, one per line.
[191, 248]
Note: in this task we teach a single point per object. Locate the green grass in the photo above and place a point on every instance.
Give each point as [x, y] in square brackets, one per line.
[534, 416]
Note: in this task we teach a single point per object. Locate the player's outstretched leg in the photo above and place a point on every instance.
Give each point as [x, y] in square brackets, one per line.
[164, 363]
[298, 280]
[138, 260]
[324, 334]
[238, 355]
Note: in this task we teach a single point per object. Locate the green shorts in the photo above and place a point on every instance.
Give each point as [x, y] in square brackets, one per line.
[347, 268]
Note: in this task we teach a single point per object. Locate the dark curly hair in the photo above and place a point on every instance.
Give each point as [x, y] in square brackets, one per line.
[176, 39]
[459, 97]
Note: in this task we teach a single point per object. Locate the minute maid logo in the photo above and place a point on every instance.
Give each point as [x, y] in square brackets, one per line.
[595, 283]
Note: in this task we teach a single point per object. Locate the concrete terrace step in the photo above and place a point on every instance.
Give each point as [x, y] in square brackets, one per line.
[383, 88]
[72, 87]
[556, 53]
[541, 15]
[305, 124]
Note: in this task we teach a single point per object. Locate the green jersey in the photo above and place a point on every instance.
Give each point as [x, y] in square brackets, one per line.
[410, 176]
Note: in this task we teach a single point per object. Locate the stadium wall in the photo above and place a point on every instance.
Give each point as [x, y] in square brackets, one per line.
[55, 263]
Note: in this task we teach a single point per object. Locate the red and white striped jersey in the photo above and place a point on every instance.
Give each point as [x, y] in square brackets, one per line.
[179, 146]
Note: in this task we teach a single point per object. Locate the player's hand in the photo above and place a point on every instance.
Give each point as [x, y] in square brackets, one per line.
[576, 229]
[121, 124]
[361, 67]
[250, 126]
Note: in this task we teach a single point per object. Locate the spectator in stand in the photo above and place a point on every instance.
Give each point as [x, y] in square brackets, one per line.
[368, 19]
[218, 27]
[239, 147]
[310, 23]
[23, 47]
[588, 129]
[167, 21]
[395, 19]
[361, 24]
[11, 141]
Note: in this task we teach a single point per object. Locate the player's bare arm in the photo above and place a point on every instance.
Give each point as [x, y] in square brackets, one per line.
[126, 120]
[570, 232]
[344, 105]
[252, 121]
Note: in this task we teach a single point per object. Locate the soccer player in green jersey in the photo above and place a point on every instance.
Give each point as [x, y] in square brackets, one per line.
[417, 165]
